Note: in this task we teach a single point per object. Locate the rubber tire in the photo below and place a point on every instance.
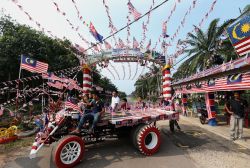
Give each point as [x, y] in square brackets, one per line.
[134, 133]
[202, 120]
[143, 132]
[60, 146]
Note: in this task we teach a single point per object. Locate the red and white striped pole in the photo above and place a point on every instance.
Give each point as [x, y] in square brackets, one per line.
[87, 79]
[166, 83]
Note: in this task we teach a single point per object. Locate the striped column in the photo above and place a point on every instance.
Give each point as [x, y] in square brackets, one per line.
[184, 104]
[166, 82]
[209, 97]
[87, 79]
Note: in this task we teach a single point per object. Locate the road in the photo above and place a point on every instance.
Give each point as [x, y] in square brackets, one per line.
[192, 147]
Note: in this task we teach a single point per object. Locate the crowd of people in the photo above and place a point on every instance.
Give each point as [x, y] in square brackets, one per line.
[93, 107]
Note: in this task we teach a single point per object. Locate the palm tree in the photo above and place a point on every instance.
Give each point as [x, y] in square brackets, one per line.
[148, 85]
[206, 48]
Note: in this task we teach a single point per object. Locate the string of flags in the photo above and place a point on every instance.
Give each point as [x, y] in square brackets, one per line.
[166, 22]
[192, 6]
[73, 27]
[144, 26]
[133, 11]
[128, 27]
[183, 42]
[38, 24]
[20, 7]
[135, 43]
[111, 25]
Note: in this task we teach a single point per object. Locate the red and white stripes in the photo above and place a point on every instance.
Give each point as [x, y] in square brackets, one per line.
[210, 105]
[166, 82]
[87, 79]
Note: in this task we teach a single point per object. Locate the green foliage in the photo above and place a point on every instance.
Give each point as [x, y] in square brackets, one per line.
[16, 39]
[148, 87]
[205, 48]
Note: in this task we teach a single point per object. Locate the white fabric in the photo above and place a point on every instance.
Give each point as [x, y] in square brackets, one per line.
[115, 100]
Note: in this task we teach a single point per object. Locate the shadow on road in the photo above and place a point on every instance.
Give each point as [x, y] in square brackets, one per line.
[110, 152]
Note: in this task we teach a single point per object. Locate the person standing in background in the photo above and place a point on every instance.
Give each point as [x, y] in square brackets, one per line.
[115, 101]
[236, 107]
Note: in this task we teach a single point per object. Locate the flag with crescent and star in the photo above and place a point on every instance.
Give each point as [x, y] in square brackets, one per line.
[33, 65]
[239, 34]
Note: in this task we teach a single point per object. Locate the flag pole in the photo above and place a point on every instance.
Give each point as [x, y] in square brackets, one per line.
[19, 76]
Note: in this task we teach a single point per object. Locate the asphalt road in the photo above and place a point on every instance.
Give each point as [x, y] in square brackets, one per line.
[186, 149]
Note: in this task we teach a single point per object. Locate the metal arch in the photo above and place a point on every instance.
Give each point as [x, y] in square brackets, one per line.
[129, 71]
[115, 71]
[123, 69]
[111, 73]
[135, 71]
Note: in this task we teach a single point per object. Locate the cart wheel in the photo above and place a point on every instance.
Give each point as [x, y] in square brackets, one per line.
[134, 133]
[148, 140]
[69, 151]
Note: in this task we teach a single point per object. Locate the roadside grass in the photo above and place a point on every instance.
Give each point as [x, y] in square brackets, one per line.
[16, 145]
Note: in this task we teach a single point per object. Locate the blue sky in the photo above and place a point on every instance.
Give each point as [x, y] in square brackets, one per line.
[94, 11]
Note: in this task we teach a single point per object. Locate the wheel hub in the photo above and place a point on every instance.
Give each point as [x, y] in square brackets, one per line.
[70, 152]
[151, 140]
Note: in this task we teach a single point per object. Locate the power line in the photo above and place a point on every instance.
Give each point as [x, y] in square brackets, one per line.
[127, 25]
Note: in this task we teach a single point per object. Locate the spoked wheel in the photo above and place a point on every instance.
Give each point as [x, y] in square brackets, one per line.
[69, 151]
[148, 140]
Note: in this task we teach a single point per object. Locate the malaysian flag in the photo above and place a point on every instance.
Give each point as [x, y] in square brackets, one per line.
[107, 45]
[69, 104]
[133, 11]
[121, 44]
[33, 65]
[239, 34]
[56, 84]
[149, 44]
[50, 76]
[135, 43]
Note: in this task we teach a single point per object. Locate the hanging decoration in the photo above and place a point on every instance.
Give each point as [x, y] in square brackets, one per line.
[182, 42]
[135, 43]
[136, 71]
[166, 22]
[183, 20]
[144, 26]
[121, 43]
[107, 45]
[70, 24]
[111, 73]
[111, 25]
[115, 71]
[20, 7]
[133, 11]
